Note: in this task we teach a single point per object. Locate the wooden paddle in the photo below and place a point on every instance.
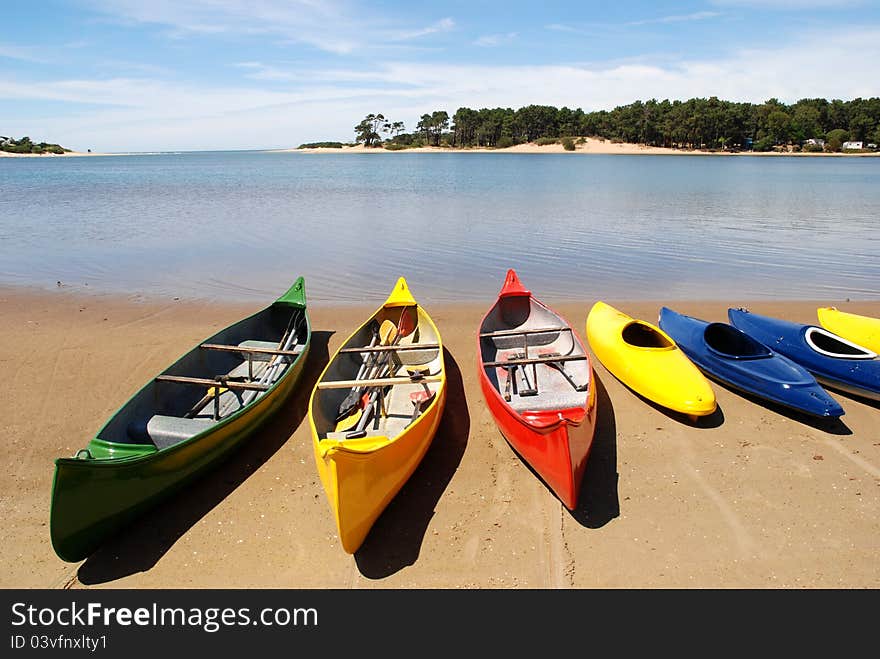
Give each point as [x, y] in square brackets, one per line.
[351, 416]
[350, 402]
[366, 398]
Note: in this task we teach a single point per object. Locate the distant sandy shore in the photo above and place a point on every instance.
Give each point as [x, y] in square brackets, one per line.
[591, 146]
[67, 154]
[751, 497]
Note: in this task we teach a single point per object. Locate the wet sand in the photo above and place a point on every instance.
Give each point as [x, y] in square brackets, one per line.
[752, 497]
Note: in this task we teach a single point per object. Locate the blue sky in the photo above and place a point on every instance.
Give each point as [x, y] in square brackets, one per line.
[138, 75]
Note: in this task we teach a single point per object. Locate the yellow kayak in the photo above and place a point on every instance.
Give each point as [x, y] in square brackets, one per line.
[862, 330]
[375, 410]
[646, 360]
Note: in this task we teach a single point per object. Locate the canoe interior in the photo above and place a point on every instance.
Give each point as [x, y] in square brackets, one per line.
[398, 403]
[554, 391]
[155, 417]
[730, 341]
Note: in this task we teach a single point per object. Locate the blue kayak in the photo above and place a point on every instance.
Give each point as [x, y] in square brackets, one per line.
[834, 361]
[733, 358]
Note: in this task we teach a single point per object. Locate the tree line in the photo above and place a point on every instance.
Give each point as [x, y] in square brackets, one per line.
[698, 123]
[25, 145]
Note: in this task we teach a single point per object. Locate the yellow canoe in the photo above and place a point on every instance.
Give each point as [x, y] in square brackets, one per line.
[648, 361]
[402, 378]
[862, 330]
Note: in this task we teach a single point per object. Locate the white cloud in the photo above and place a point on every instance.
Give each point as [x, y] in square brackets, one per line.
[492, 40]
[682, 18]
[317, 104]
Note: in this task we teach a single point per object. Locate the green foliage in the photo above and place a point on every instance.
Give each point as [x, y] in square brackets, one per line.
[813, 148]
[834, 139]
[697, 123]
[546, 141]
[320, 145]
[432, 126]
[25, 145]
[764, 144]
[568, 144]
[367, 131]
[394, 146]
[582, 140]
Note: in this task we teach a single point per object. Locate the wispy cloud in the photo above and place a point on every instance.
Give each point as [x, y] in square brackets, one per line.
[335, 26]
[493, 40]
[681, 18]
[21, 53]
[443, 25]
[561, 27]
[791, 5]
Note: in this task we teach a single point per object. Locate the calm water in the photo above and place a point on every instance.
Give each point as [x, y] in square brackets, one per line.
[241, 226]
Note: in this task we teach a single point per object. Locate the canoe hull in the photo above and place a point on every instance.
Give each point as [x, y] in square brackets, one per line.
[552, 428]
[859, 376]
[117, 478]
[555, 444]
[361, 476]
[657, 370]
[94, 500]
[360, 485]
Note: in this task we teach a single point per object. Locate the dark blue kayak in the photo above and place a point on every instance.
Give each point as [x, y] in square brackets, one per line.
[834, 361]
[730, 356]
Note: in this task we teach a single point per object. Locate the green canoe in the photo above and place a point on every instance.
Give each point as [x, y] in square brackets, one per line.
[176, 427]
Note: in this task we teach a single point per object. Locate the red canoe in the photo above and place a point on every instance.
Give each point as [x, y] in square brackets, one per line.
[537, 380]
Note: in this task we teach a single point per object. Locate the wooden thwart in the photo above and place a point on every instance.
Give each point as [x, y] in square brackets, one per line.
[219, 382]
[259, 351]
[377, 382]
[541, 330]
[536, 360]
[413, 346]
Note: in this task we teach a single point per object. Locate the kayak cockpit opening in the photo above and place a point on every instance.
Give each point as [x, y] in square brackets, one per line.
[734, 343]
[642, 335]
[831, 345]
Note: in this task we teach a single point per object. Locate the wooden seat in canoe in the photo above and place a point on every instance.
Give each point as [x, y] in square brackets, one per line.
[224, 396]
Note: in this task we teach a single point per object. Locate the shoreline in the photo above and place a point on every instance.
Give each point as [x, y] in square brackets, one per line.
[68, 154]
[752, 497]
[87, 292]
[591, 147]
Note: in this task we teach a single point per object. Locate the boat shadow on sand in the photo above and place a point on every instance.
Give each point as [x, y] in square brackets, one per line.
[831, 425]
[598, 502]
[396, 538]
[140, 546]
[713, 420]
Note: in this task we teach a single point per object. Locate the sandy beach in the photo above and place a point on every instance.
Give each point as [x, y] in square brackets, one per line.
[752, 497]
[591, 146]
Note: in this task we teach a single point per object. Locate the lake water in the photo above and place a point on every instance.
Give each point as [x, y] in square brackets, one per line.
[242, 225]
